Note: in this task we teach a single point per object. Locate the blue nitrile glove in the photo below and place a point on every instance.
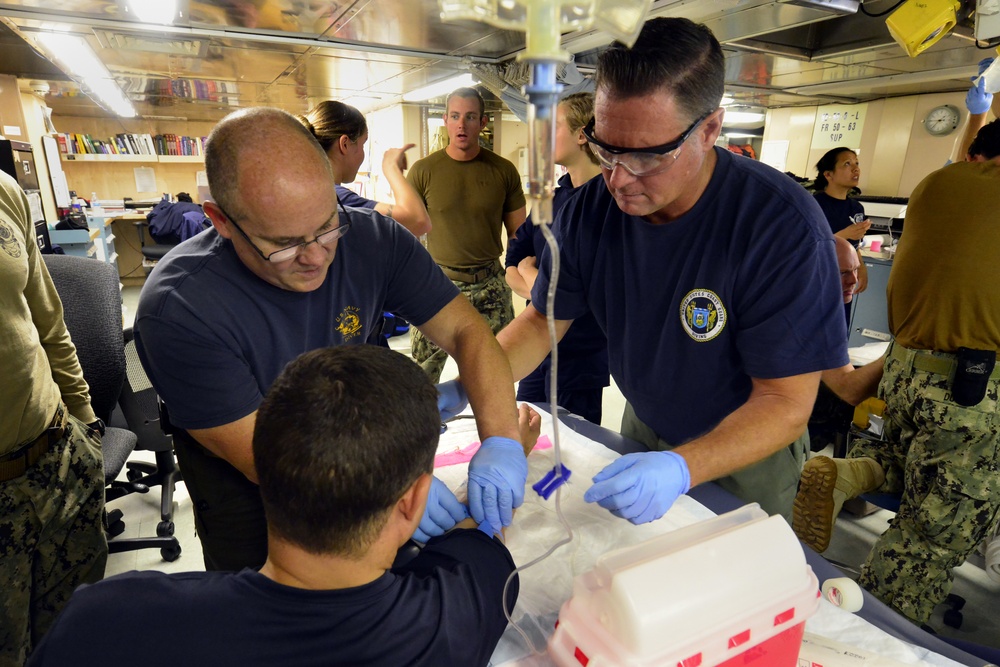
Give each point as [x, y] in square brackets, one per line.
[443, 511]
[452, 399]
[977, 100]
[640, 487]
[497, 474]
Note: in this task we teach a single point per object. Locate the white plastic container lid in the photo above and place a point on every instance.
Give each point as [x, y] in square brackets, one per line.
[687, 592]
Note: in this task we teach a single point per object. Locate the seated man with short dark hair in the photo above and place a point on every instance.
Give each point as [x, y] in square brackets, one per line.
[344, 447]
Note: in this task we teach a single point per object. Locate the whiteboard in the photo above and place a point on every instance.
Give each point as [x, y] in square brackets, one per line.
[56, 175]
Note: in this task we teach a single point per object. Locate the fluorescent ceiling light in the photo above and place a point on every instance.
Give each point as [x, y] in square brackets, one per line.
[726, 100]
[440, 88]
[740, 134]
[743, 117]
[162, 12]
[75, 56]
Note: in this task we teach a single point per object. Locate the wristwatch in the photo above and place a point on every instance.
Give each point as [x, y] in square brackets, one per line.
[98, 426]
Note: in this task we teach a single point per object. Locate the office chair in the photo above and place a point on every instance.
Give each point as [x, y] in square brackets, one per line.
[140, 407]
[92, 310]
[152, 252]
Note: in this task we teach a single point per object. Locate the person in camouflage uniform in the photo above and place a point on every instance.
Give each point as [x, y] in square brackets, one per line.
[472, 195]
[943, 458]
[941, 447]
[51, 469]
[490, 296]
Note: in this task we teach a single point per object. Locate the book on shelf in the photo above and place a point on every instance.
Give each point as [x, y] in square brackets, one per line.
[131, 143]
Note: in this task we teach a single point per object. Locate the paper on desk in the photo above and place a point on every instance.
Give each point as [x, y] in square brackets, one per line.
[867, 353]
[834, 623]
[822, 652]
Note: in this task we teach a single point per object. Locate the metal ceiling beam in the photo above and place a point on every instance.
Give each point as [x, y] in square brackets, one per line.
[265, 37]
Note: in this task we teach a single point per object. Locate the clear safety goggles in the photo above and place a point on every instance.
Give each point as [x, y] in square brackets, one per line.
[645, 161]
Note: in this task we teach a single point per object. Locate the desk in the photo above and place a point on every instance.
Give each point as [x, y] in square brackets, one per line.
[719, 501]
[129, 255]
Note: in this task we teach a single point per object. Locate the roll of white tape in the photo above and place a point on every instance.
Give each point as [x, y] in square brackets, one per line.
[844, 593]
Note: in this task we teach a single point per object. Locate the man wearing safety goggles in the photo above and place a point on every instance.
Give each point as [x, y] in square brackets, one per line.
[713, 276]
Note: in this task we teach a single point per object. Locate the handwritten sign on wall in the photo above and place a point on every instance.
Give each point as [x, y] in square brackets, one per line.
[839, 125]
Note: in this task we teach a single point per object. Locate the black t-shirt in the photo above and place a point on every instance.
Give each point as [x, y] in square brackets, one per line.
[744, 285]
[841, 212]
[583, 351]
[441, 608]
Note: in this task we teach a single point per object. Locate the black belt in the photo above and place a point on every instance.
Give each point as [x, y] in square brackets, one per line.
[925, 360]
[473, 274]
[16, 463]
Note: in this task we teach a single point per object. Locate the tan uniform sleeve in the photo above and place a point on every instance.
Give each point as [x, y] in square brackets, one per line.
[47, 316]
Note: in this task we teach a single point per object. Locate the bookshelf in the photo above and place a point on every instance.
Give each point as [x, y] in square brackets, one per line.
[88, 157]
[182, 159]
[130, 145]
[112, 176]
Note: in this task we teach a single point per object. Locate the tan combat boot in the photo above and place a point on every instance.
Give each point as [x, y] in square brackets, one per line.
[824, 486]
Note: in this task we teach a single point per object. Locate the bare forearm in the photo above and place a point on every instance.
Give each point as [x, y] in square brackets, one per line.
[854, 385]
[231, 442]
[409, 209]
[516, 282]
[526, 341]
[767, 422]
[487, 381]
[513, 220]
[529, 273]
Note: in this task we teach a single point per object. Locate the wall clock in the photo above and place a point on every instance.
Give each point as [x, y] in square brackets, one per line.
[941, 120]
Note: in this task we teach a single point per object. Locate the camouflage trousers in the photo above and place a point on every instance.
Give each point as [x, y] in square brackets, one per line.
[770, 483]
[490, 296]
[943, 458]
[51, 538]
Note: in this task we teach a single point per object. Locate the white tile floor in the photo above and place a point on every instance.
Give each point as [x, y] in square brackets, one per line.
[853, 536]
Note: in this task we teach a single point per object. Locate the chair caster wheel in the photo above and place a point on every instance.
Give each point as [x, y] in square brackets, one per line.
[115, 529]
[170, 554]
[953, 618]
[114, 526]
[165, 528]
[132, 474]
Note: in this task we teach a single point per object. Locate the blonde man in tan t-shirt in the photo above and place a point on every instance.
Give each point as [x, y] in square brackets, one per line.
[472, 195]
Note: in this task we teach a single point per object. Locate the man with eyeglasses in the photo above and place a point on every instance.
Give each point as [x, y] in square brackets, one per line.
[713, 276]
[286, 270]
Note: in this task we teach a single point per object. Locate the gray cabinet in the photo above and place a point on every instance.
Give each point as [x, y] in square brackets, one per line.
[869, 313]
[98, 241]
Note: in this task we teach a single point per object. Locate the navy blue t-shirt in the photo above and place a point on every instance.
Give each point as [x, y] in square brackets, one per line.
[583, 351]
[441, 608]
[841, 213]
[213, 336]
[354, 200]
[744, 285]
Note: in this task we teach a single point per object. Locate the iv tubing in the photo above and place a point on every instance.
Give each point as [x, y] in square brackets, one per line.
[543, 94]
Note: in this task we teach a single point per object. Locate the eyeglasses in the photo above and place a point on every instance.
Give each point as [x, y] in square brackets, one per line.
[291, 252]
[645, 161]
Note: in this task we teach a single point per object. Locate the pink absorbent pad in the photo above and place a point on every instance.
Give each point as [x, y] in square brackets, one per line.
[465, 454]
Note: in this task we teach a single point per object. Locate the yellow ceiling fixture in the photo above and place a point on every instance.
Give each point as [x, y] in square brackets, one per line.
[919, 24]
